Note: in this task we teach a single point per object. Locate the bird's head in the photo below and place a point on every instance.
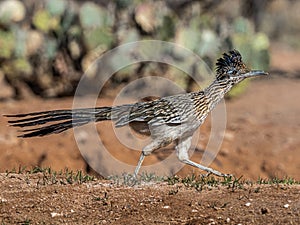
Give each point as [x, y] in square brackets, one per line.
[231, 68]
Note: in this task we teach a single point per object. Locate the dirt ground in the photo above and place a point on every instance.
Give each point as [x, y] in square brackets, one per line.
[24, 199]
[261, 140]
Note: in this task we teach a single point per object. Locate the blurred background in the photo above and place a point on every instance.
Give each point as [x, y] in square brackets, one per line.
[46, 46]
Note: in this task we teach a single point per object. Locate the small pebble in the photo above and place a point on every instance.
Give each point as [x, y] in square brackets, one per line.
[286, 206]
[3, 199]
[248, 204]
[264, 210]
[54, 214]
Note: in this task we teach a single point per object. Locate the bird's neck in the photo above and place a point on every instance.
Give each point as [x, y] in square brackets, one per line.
[215, 92]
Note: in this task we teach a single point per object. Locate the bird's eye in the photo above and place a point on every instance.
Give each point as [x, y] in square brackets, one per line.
[231, 72]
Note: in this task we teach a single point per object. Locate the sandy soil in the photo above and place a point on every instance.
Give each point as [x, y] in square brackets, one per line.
[25, 199]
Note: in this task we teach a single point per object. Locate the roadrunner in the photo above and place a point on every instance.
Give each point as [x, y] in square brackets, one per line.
[168, 119]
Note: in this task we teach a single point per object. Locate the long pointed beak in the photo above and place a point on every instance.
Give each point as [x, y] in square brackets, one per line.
[253, 73]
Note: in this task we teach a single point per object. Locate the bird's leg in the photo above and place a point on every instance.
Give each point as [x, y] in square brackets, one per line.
[204, 168]
[147, 150]
[137, 168]
[182, 148]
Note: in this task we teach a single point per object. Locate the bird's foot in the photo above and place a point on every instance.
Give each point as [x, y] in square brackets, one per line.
[219, 174]
[130, 180]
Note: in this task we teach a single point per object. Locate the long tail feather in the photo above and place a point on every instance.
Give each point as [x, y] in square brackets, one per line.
[56, 121]
[66, 120]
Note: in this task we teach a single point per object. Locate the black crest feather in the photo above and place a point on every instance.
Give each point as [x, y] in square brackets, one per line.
[232, 59]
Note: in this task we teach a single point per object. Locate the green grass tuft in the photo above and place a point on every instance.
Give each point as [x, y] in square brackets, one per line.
[231, 182]
[276, 180]
[199, 182]
[50, 176]
[130, 180]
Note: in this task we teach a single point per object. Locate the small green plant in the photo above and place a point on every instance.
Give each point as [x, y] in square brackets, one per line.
[199, 182]
[276, 180]
[231, 182]
[130, 180]
[50, 176]
[103, 199]
[172, 180]
[26, 222]
[151, 177]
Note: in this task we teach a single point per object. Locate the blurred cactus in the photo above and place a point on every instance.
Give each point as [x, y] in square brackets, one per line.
[11, 11]
[253, 46]
[127, 35]
[166, 30]
[52, 43]
[261, 57]
[97, 24]
[188, 37]
[179, 77]
[7, 43]
[22, 66]
[56, 7]
[50, 48]
[44, 21]
[92, 16]
[209, 43]
[17, 68]
[122, 4]
[34, 42]
[100, 37]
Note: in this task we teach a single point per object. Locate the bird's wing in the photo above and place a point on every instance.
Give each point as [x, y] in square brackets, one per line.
[171, 110]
